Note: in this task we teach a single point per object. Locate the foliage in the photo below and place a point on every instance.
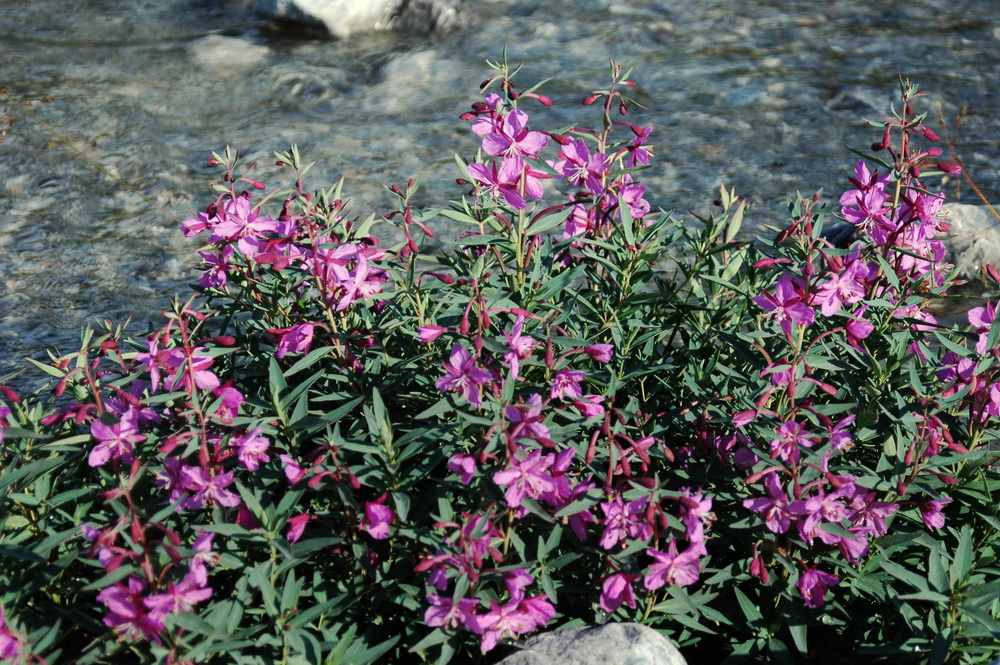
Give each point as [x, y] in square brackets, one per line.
[577, 410]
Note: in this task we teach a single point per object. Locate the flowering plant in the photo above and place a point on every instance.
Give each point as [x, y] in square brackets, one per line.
[577, 410]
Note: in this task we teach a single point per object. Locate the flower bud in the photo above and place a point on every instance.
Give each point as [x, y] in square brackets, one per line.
[590, 100]
[950, 167]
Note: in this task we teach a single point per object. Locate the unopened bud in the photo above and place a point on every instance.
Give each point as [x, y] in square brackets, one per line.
[213, 161]
[590, 100]
[622, 109]
[950, 167]
[257, 185]
[929, 134]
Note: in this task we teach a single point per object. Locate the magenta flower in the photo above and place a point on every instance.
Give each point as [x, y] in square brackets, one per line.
[589, 405]
[252, 448]
[510, 137]
[930, 511]
[821, 508]
[791, 437]
[447, 614]
[526, 477]
[207, 489]
[229, 407]
[624, 520]
[521, 346]
[296, 339]
[182, 369]
[567, 383]
[579, 167]
[463, 376]
[637, 152]
[178, 598]
[617, 590]
[813, 585]
[786, 305]
[464, 466]
[844, 288]
[515, 617]
[115, 441]
[632, 196]
[127, 613]
[505, 182]
[672, 568]
[430, 333]
[528, 422]
[10, 642]
[377, 518]
[297, 526]
[602, 353]
[981, 319]
[293, 470]
[216, 274]
[238, 220]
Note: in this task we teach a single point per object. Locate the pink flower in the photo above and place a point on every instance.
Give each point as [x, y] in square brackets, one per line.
[616, 590]
[232, 400]
[623, 521]
[178, 598]
[10, 642]
[445, 613]
[296, 339]
[115, 441]
[516, 617]
[930, 511]
[463, 376]
[506, 181]
[589, 405]
[791, 437]
[672, 568]
[252, 447]
[773, 509]
[293, 471]
[464, 466]
[510, 137]
[579, 167]
[127, 613]
[521, 346]
[377, 518]
[813, 585]
[528, 422]
[567, 384]
[430, 333]
[297, 526]
[787, 305]
[600, 352]
[526, 477]
[207, 489]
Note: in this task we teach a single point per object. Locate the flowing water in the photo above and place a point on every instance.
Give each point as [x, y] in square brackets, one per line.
[765, 95]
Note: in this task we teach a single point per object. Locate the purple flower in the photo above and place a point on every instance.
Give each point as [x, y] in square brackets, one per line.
[616, 590]
[430, 333]
[10, 642]
[637, 153]
[293, 470]
[515, 617]
[786, 304]
[510, 137]
[600, 352]
[377, 518]
[813, 585]
[579, 167]
[445, 613]
[463, 376]
[526, 477]
[296, 339]
[506, 181]
[127, 613]
[844, 288]
[567, 384]
[178, 598]
[252, 448]
[672, 568]
[115, 441]
[774, 508]
[623, 521]
[238, 220]
[464, 466]
[528, 422]
[791, 437]
[207, 489]
[930, 511]
[297, 526]
[521, 346]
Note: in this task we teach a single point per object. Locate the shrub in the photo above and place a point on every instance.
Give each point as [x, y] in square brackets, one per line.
[577, 410]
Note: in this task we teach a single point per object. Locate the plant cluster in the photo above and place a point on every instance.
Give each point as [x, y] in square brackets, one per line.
[340, 450]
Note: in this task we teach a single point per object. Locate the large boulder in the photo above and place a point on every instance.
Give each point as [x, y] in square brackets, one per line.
[610, 644]
[974, 237]
[341, 18]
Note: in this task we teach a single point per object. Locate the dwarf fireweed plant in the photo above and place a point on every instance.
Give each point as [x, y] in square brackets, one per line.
[577, 409]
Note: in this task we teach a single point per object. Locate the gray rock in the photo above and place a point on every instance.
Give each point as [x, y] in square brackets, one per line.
[610, 644]
[974, 237]
[342, 18]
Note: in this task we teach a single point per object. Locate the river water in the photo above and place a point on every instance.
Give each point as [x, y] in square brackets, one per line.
[765, 95]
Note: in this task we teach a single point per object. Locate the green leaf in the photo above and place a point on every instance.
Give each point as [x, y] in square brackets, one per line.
[307, 361]
[961, 564]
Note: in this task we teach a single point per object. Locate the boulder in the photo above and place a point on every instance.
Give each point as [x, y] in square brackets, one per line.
[610, 644]
[974, 237]
[342, 18]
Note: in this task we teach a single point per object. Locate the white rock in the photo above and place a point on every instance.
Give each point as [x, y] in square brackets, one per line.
[227, 56]
[342, 18]
[974, 237]
[610, 644]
